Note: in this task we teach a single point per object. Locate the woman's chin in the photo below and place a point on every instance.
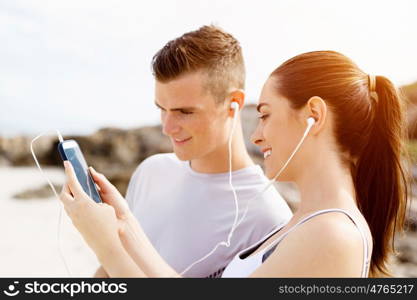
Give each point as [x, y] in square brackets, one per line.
[269, 173]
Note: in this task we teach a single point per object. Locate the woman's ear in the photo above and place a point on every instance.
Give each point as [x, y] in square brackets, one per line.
[317, 109]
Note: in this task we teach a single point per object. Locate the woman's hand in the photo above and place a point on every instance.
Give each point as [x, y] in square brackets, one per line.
[97, 223]
[110, 195]
[111, 230]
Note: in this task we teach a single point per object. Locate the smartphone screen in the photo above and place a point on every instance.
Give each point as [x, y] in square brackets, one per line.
[69, 150]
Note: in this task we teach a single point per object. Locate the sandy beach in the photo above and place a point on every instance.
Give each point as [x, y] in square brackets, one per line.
[29, 227]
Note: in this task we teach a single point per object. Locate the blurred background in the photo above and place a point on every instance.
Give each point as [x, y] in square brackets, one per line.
[83, 67]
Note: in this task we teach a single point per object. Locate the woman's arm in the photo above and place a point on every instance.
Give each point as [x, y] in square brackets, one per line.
[142, 251]
[101, 273]
[118, 262]
[133, 238]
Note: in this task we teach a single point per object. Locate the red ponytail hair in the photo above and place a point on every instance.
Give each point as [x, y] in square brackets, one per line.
[370, 129]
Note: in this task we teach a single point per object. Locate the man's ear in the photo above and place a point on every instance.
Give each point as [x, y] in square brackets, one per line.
[317, 108]
[238, 96]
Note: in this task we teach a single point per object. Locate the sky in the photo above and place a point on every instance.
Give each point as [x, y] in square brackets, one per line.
[80, 65]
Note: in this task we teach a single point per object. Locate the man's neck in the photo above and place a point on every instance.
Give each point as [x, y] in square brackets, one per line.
[218, 161]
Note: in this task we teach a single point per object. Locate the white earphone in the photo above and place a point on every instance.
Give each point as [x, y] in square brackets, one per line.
[310, 122]
[235, 106]
[59, 241]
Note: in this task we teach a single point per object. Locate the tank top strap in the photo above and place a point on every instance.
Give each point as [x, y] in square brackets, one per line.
[366, 261]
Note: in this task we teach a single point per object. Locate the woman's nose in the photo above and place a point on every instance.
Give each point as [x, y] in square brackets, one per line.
[256, 137]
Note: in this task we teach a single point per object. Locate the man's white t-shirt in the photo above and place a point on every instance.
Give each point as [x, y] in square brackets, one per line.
[185, 213]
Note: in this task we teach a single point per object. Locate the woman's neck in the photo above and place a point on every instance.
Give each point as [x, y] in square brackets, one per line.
[326, 184]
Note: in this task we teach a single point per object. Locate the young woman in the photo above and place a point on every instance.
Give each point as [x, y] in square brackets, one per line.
[348, 170]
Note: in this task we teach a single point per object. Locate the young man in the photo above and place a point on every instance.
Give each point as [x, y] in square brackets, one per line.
[183, 200]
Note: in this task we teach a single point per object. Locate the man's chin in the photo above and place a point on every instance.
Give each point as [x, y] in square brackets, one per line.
[183, 156]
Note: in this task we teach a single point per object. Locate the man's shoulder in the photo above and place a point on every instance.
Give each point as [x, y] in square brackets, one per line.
[272, 208]
[157, 164]
[154, 168]
[160, 160]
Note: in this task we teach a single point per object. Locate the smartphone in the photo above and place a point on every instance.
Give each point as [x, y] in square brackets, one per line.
[70, 150]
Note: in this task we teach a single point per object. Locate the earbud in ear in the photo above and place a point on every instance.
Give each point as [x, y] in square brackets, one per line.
[234, 105]
[311, 121]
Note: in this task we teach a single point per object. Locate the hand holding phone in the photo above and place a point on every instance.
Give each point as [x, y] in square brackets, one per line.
[70, 150]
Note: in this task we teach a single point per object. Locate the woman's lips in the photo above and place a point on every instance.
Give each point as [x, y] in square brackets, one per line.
[267, 152]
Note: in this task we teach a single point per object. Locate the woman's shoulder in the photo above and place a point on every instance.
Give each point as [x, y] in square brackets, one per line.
[327, 245]
[335, 229]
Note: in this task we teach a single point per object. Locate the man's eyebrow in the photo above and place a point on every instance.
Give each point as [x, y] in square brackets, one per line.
[189, 108]
[157, 105]
[258, 107]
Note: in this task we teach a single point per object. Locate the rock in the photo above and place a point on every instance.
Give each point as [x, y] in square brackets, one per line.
[409, 93]
[411, 216]
[154, 141]
[3, 159]
[15, 151]
[405, 262]
[114, 152]
[411, 120]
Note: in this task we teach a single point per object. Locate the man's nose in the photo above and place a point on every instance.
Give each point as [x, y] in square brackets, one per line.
[170, 126]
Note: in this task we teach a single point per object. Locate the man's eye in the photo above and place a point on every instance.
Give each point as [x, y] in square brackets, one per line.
[186, 112]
